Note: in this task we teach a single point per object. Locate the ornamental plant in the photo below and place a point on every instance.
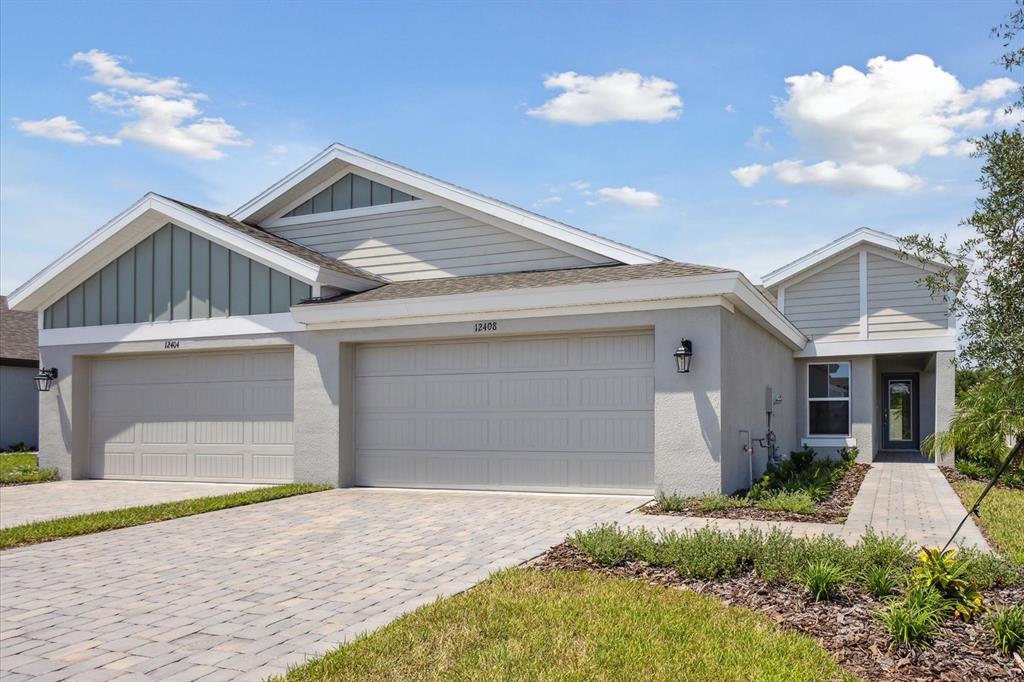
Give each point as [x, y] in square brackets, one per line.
[943, 572]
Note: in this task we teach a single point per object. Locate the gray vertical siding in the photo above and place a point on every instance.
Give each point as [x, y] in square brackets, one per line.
[352, 191]
[175, 275]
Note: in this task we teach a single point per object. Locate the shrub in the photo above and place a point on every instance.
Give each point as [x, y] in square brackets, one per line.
[849, 455]
[641, 544]
[822, 578]
[889, 552]
[943, 572]
[987, 569]
[20, 447]
[802, 459]
[708, 553]
[671, 502]
[916, 617]
[797, 502]
[606, 544]
[879, 582]
[1008, 628]
[708, 503]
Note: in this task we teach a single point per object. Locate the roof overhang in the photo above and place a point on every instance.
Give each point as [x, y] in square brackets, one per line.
[859, 237]
[730, 288]
[337, 159]
[141, 219]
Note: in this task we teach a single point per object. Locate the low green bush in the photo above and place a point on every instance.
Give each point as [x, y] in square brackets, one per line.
[988, 569]
[708, 503]
[891, 552]
[800, 473]
[708, 553]
[1008, 628]
[822, 578]
[606, 544]
[672, 502]
[915, 617]
[879, 582]
[796, 502]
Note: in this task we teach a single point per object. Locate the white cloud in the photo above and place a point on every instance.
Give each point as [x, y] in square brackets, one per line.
[964, 148]
[748, 176]
[161, 112]
[730, 109]
[759, 139]
[63, 129]
[617, 96]
[547, 201]
[630, 196]
[780, 203]
[107, 71]
[869, 126]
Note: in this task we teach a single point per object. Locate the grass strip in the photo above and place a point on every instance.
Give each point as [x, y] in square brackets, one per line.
[523, 624]
[1002, 516]
[19, 468]
[83, 524]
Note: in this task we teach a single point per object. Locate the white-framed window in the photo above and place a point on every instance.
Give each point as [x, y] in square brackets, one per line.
[828, 399]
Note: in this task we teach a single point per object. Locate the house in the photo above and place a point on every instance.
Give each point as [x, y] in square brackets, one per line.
[19, 361]
[361, 323]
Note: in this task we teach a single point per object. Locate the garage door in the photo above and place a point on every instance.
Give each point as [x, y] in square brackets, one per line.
[572, 412]
[199, 416]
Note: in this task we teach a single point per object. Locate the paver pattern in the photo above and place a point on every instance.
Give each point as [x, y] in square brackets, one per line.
[41, 501]
[243, 593]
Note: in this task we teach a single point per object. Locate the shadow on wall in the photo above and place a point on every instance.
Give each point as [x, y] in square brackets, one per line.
[710, 425]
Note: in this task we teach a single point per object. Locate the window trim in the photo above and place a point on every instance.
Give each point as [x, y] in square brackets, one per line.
[848, 399]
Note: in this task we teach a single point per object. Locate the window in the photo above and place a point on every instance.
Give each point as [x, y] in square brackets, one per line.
[828, 399]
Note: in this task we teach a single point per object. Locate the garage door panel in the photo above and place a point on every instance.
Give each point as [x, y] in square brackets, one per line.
[565, 412]
[204, 416]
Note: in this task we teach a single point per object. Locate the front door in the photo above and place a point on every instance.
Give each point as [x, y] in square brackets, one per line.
[900, 412]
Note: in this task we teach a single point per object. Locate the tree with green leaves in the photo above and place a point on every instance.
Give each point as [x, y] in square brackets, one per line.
[983, 283]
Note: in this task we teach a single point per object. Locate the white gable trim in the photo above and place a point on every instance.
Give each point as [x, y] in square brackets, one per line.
[329, 216]
[141, 219]
[453, 197]
[823, 257]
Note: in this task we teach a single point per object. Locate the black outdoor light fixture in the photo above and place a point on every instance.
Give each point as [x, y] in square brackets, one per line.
[45, 378]
[683, 355]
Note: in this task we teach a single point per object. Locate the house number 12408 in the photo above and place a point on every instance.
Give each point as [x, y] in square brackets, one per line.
[485, 327]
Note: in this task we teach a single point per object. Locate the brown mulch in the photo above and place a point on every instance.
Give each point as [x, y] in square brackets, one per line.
[953, 475]
[846, 628]
[833, 509]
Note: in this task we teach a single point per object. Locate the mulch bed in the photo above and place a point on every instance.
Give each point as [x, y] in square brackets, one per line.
[833, 509]
[846, 628]
[953, 475]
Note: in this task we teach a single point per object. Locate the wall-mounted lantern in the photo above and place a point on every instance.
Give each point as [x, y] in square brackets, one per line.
[45, 378]
[683, 355]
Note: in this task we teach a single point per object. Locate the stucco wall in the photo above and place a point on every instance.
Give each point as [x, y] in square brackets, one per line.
[19, 406]
[753, 360]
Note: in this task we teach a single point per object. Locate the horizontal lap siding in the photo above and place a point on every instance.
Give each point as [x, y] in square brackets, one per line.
[827, 304]
[897, 305]
[425, 243]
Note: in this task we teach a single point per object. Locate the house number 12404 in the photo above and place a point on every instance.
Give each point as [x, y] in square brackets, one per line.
[485, 327]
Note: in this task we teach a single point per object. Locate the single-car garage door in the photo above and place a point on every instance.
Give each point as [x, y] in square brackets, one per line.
[568, 412]
[193, 416]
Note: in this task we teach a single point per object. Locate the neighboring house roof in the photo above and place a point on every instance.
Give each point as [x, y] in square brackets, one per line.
[274, 240]
[154, 211]
[862, 235]
[335, 159]
[19, 335]
[527, 280]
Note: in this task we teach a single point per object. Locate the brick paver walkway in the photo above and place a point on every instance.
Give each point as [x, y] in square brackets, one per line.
[243, 593]
[40, 501]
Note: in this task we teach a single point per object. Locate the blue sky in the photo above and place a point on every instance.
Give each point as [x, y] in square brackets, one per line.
[643, 122]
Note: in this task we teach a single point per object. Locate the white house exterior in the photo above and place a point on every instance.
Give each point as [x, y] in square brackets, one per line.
[363, 324]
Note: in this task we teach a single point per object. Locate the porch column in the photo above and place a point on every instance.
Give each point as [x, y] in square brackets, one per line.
[945, 398]
[863, 405]
[317, 417]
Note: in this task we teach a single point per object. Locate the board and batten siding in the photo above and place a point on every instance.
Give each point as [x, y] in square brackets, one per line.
[827, 303]
[175, 275]
[424, 243]
[897, 304]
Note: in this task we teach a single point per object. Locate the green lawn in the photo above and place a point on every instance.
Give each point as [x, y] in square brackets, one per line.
[523, 624]
[20, 467]
[44, 531]
[1002, 516]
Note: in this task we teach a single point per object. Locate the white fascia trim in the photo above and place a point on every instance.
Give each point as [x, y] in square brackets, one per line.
[272, 323]
[457, 195]
[913, 344]
[728, 289]
[863, 235]
[331, 216]
[55, 279]
[828, 442]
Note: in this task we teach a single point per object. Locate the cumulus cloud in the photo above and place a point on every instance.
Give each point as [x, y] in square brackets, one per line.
[730, 109]
[869, 126]
[618, 96]
[630, 196]
[748, 176]
[547, 201]
[759, 139]
[160, 112]
[62, 129]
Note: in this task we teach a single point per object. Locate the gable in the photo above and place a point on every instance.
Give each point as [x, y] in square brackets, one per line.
[827, 303]
[351, 191]
[896, 304]
[175, 274]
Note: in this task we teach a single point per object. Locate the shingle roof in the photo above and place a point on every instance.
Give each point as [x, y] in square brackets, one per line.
[528, 280]
[291, 247]
[19, 334]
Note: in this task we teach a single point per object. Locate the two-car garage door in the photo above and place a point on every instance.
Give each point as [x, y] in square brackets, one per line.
[568, 412]
[196, 416]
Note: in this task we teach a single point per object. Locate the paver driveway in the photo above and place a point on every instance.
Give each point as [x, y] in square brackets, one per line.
[242, 593]
[40, 501]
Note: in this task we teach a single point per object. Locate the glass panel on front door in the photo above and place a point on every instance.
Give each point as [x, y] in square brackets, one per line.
[901, 405]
